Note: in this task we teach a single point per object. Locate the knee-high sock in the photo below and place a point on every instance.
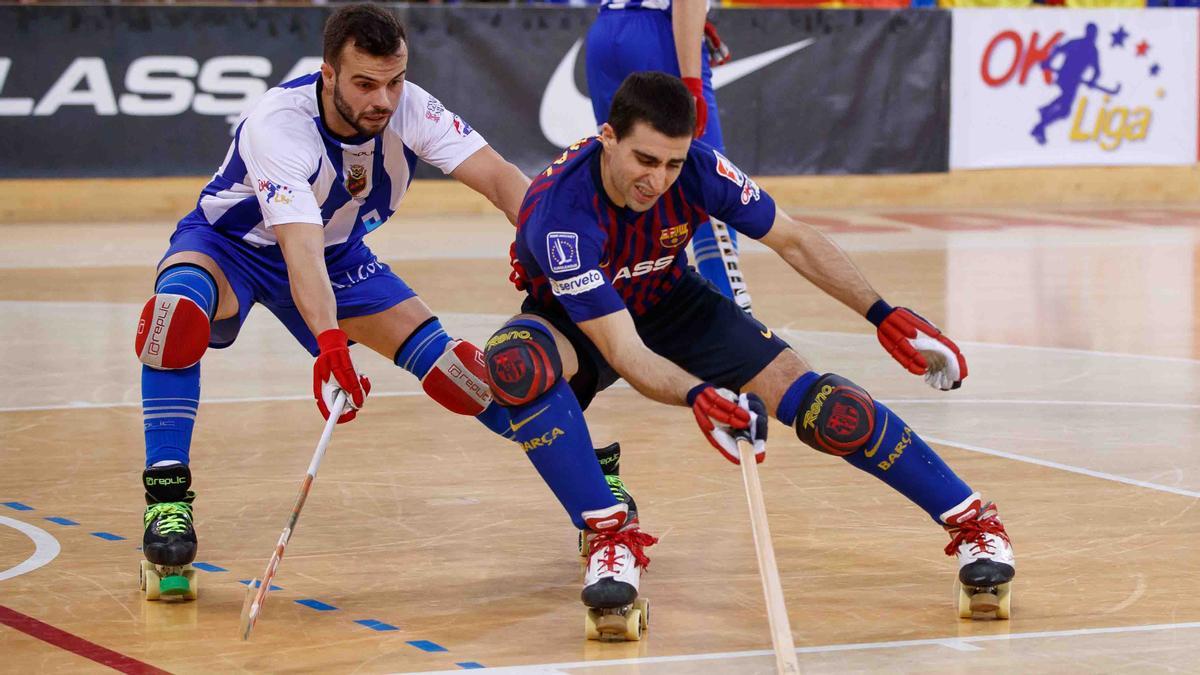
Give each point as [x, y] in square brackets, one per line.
[170, 398]
[555, 437]
[894, 454]
[423, 348]
[710, 260]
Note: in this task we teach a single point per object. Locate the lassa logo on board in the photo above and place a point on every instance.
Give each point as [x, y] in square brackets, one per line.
[151, 86]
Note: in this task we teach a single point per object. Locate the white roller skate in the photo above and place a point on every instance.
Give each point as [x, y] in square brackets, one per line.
[986, 565]
[610, 586]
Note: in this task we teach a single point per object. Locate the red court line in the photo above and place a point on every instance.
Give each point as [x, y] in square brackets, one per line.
[76, 644]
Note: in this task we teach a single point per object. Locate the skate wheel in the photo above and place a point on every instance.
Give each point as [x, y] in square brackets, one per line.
[633, 625]
[1005, 608]
[964, 601]
[142, 574]
[643, 605]
[152, 582]
[589, 625]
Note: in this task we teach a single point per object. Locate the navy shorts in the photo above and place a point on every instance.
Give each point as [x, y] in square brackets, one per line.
[694, 327]
[362, 285]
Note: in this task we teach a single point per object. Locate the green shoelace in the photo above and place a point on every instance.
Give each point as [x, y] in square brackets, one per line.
[174, 516]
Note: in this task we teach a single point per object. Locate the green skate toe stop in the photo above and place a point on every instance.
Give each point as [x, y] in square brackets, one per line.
[173, 585]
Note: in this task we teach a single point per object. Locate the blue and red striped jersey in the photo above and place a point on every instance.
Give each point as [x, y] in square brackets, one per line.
[593, 258]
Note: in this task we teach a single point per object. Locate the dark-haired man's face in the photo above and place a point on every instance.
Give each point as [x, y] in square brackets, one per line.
[365, 90]
[640, 167]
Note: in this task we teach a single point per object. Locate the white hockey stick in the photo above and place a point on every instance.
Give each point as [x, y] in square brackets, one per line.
[256, 592]
[781, 629]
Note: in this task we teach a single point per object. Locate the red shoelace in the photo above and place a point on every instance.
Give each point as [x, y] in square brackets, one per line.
[973, 531]
[633, 539]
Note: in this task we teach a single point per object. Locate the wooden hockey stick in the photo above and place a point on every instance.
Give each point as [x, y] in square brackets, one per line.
[256, 592]
[781, 629]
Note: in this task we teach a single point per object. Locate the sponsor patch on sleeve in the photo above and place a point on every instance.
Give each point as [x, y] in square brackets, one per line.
[562, 249]
[729, 171]
[461, 127]
[277, 193]
[577, 284]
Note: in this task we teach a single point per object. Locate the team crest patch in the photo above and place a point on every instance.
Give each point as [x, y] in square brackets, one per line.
[674, 237]
[562, 248]
[356, 179]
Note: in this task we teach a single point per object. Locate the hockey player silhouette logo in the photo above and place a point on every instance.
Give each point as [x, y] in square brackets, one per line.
[1079, 65]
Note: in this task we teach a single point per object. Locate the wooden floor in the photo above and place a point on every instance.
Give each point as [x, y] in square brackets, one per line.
[427, 544]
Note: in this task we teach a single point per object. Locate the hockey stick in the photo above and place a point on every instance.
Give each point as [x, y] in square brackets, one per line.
[781, 629]
[256, 592]
[1111, 91]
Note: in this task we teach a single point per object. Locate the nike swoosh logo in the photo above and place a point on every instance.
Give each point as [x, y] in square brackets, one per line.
[766, 333]
[565, 114]
[527, 420]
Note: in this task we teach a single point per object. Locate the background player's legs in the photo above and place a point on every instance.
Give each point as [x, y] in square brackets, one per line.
[412, 337]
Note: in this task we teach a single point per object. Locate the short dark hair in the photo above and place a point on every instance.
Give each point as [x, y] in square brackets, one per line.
[372, 28]
[656, 98]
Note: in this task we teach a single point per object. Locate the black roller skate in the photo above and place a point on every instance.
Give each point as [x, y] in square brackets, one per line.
[169, 542]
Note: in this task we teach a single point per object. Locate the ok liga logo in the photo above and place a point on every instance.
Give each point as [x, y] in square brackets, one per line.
[1083, 74]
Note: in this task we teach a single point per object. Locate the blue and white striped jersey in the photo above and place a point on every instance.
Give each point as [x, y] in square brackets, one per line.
[284, 166]
[635, 4]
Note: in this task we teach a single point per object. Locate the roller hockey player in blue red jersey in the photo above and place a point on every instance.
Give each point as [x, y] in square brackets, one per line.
[599, 250]
[315, 164]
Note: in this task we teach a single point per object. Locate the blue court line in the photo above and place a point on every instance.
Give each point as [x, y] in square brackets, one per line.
[246, 582]
[469, 665]
[374, 624]
[61, 521]
[18, 506]
[427, 646]
[108, 536]
[208, 567]
[315, 604]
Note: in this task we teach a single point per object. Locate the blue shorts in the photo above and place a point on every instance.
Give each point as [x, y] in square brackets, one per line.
[624, 41]
[362, 284]
[694, 327]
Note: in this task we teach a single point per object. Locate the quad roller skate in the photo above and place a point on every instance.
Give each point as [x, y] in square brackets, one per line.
[169, 542]
[985, 559]
[610, 586]
[610, 463]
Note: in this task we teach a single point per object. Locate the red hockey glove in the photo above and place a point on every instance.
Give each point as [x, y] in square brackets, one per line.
[919, 346]
[724, 416]
[517, 276]
[334, 360]
[718, 51]
[695, 86]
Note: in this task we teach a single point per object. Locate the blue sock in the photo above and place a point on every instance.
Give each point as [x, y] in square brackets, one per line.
[894, 454]
[423, 348]
[170, 397]
[555, 437]
[707, 252]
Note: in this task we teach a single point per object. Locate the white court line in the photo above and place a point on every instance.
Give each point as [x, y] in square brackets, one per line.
[1064, 467]
[46, 548]
[1006, 401]
[1000, 345]
[957, 643]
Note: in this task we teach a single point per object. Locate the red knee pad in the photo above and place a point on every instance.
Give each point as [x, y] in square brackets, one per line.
[172, 333]
[458, 380]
